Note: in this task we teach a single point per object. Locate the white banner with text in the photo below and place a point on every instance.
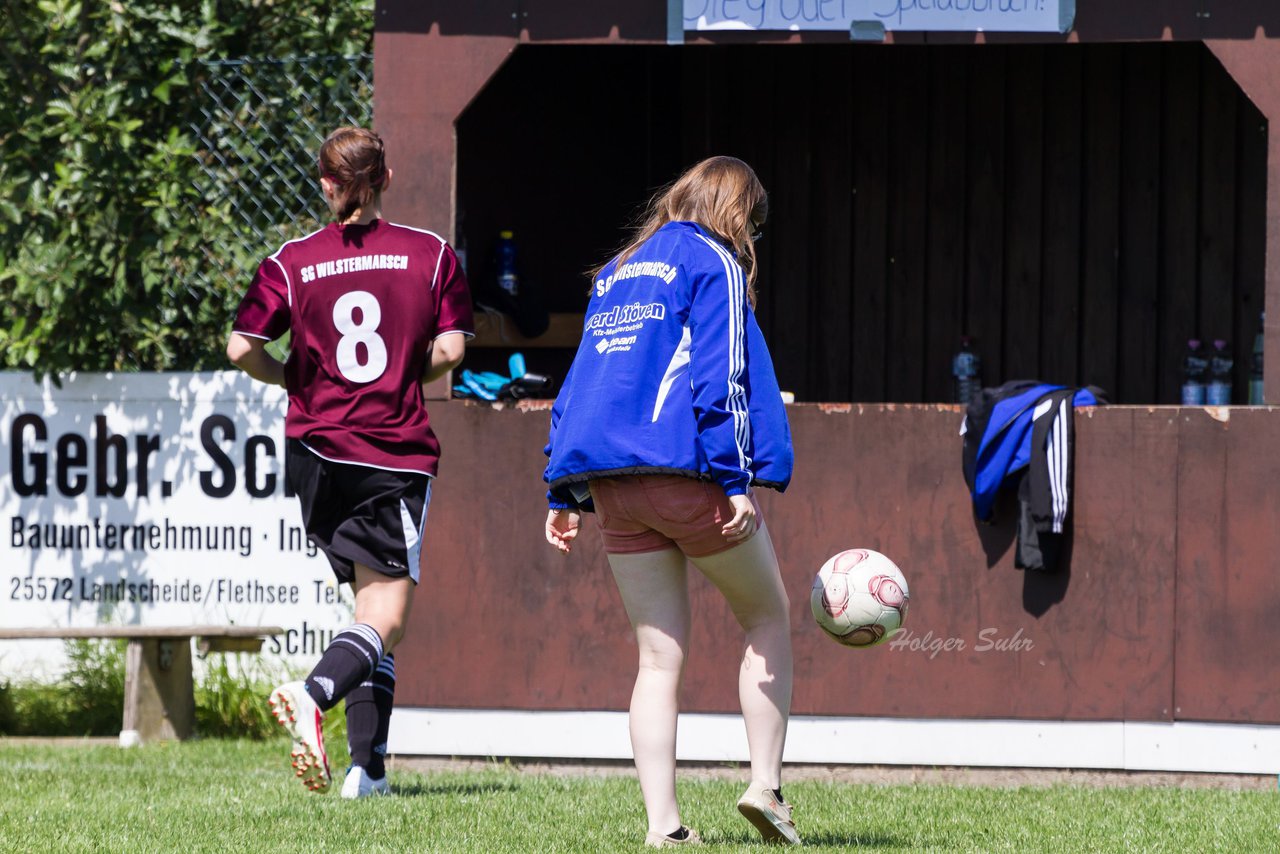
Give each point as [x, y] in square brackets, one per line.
[1017, 16]
[154, 499]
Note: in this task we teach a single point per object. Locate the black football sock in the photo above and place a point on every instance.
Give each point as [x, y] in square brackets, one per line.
[362, 723]
[777, 793]
[384, 697]
[369, 716]
[348, 660]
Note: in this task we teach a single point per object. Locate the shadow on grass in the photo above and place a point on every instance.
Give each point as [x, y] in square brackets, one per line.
[859, 840]
[840, 840]
[414, 790]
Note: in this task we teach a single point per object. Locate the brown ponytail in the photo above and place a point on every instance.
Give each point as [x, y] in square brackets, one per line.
[354, 160]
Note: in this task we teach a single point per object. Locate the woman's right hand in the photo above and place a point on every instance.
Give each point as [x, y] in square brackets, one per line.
[562, 528]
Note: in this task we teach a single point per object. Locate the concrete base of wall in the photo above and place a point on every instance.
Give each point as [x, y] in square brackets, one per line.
[1119, 745]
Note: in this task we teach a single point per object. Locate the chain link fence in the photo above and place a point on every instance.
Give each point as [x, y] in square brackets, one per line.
[258, 124]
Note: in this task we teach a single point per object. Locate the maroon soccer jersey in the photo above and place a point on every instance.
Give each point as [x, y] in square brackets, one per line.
[363, 304]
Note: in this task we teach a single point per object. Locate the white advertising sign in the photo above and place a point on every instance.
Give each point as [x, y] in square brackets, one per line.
[1025, 16]
[154, 499]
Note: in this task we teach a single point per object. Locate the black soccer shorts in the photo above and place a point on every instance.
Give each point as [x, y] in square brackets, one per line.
[360, 514]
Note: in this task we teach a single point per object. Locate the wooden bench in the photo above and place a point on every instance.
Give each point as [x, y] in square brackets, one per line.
[159, 690]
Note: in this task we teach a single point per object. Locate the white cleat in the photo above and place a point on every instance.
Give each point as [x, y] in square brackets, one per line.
[293, 707]
[360, 785]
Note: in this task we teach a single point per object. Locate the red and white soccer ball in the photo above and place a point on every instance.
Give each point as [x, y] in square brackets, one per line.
[859, 597]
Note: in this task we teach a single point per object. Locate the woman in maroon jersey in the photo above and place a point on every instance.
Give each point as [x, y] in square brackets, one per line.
[375, 310]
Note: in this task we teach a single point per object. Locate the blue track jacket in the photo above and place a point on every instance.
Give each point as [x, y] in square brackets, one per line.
[672, 376]
[998, 430]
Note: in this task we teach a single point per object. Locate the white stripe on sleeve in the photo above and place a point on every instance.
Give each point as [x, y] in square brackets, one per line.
[1057, 458]
[736, 393]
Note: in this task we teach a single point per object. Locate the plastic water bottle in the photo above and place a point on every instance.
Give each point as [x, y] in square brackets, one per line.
[1218, 392]
[1194, 367]
[507, 278]
[1255, 366]
[966, 367]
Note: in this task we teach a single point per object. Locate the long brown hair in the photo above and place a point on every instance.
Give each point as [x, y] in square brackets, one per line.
[355, 160]
[723, 195]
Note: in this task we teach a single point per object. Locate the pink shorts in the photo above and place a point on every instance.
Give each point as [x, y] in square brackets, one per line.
[648, 513]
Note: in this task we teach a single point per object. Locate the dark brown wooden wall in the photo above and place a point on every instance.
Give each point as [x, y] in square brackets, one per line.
[1080, 210]
[1166, 611]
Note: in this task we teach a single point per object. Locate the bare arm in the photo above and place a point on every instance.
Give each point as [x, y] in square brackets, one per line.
[446, 354]
[250, 355]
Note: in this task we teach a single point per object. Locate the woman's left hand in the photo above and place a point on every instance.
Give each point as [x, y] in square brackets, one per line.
[743, 523]
[562, 528]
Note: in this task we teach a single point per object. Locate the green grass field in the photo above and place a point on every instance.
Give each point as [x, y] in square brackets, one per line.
[237, 796]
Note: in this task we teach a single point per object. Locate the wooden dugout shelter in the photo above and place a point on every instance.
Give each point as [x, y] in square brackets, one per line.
[1079, 203]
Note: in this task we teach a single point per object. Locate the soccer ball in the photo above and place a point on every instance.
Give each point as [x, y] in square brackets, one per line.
[859, 597]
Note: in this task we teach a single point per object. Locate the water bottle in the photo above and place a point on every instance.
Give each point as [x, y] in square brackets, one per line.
[1194, 367]
[1218, 392]
[966, 367]
[507, 278]
[1255, 366]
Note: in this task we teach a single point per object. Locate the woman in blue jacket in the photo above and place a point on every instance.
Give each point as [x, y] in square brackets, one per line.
[668, 419]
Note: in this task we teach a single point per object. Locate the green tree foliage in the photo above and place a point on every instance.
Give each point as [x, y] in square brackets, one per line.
[97, 189]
